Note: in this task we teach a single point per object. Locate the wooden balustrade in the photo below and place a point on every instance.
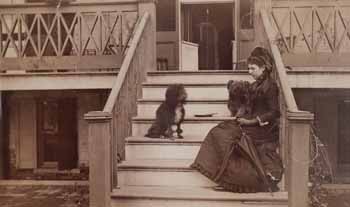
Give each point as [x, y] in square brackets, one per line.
[294, 127]
[312, 33]
[74, 36]
[121, 106]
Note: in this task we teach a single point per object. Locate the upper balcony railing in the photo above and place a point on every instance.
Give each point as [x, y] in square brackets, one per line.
[312, 33]
[76, 36]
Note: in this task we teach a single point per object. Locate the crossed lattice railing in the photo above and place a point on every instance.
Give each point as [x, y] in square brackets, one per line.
[310, 27]
[74, 30]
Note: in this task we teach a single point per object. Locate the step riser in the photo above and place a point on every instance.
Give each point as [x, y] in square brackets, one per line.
[208, 92]
[188, 203]
[198, 78]
[161, 151]
[149, 109]
[162, 178]
[189, 129]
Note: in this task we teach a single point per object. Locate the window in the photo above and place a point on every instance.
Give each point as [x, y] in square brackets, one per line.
[166, 15]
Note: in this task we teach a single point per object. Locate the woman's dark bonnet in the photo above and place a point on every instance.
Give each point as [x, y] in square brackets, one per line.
[262, 58]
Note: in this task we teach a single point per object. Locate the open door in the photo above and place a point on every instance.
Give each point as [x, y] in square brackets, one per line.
[211, 27]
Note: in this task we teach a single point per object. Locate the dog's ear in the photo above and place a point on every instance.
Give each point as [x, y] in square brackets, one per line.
[229, 83]
[171, 94]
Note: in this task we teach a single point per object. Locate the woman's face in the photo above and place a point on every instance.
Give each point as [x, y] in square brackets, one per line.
[255, 71]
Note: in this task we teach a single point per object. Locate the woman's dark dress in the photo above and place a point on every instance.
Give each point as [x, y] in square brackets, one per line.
[220, 160]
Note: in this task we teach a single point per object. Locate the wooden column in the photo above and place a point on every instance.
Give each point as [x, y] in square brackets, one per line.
[150, 34]
[298, 157]
[99, 158]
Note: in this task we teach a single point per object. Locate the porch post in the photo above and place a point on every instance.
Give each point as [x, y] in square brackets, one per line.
[99, 126]
[298, 157]
[150, 34]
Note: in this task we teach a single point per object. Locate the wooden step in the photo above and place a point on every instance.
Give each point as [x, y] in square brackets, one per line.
[166, 172]
[192, 107]
[212, 76]
[212, 91]
[192, 126]
[149, 148]
[188, 196]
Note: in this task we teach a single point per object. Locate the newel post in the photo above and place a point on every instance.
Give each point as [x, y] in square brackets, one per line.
[299, 124]
[99, 126]
[150, 34]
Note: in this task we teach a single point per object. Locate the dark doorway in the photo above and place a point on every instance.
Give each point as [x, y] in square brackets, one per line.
[211, 27]
[57, 133]
[344, 136]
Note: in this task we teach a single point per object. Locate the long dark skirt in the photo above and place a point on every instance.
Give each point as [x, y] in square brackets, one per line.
[222, 162]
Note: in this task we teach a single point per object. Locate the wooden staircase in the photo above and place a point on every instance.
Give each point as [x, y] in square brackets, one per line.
[156, 171]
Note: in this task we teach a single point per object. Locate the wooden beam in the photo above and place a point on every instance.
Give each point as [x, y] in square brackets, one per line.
[316, 59]
[63, 62]
[57, 81]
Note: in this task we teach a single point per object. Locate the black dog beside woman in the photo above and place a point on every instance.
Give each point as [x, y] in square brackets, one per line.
[240, 155]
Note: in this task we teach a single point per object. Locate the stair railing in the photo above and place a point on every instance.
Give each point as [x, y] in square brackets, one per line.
[109, 128]
[294, 126]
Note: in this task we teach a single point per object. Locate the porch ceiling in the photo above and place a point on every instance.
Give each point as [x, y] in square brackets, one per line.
[57, 81]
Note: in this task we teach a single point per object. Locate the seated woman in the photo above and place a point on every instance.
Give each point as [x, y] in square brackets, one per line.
[225, 156]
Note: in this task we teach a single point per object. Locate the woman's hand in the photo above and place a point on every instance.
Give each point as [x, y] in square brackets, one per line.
[246, 122]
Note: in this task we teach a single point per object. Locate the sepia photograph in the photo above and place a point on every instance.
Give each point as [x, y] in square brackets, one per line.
[174, 103]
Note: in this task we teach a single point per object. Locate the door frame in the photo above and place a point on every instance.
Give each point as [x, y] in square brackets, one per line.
[235, 22]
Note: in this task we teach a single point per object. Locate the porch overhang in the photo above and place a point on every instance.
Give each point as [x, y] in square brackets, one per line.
[57, 81]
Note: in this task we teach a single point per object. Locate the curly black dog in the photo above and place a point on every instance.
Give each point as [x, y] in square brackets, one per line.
[169, 114]
[239, 98]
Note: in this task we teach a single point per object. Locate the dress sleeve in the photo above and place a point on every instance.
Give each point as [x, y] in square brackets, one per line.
[272, 104]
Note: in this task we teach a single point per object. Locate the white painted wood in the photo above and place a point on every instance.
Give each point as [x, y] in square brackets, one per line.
[189, 203]
[202, 91]
[327, 78]
[57, 81]
[159, 164]
[193, 196]
[14, 130]
[189, 52]
[161, 151]
[206, 1]
[197, 77]
[193, 128]
[86, 102]
[27, 134]
[148, 108]
[156, 177]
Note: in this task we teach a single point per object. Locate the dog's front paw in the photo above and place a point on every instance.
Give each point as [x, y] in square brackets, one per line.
[179, 136]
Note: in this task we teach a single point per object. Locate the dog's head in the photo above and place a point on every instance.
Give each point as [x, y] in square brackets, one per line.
[175, 94]
[239, 91]
[239, 97]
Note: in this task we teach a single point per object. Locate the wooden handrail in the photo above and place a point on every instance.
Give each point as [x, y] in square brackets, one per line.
[126, 63]
[280, 68]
